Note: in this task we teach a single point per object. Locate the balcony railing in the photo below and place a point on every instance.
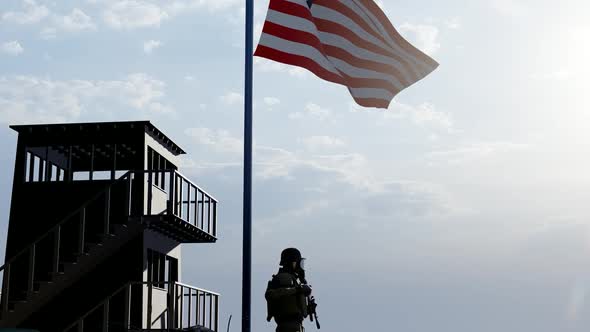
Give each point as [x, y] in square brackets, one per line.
[176, 307]
[169, 192]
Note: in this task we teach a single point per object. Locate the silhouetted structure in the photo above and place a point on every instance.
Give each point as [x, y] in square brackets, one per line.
[98, 213]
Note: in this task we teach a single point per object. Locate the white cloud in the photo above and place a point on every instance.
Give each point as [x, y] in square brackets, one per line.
[77, 20]
[271, 101]
[473, 152]
[318, 143]
[130, 14]
[424, 114]
[189, 78]
[509, 7]
[150, 45]
[312, 110]
[453, 23]
[424, 37]
[11, 48]
[266, 66]
[557, 75]
[33, 13]
[29, 99]
[232, 98]
[217, 140]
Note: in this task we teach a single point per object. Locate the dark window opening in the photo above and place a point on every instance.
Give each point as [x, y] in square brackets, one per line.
[162, 269]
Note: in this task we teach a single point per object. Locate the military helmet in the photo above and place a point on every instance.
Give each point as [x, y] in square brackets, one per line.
[290, 255]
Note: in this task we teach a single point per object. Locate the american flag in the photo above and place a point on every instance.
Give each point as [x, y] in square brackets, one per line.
[349, 42]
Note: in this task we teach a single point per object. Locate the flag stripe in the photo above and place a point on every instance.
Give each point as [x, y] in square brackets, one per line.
[300, 49]
[298, 60]
[371, 8]
[343, 61]
[350, 18]
[349, 42]
[335, 29]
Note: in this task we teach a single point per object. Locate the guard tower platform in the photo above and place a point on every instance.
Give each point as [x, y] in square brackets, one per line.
[98, 215]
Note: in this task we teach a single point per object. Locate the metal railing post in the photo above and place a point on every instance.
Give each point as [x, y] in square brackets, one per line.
[149, 193]
[82, 231]
[56, 245]
[107, 211]
[105, 316]
[127, 314]
[5, 288]
[31, 267]
[149, 308]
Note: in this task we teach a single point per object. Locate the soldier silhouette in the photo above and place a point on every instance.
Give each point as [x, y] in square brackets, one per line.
[287, 293]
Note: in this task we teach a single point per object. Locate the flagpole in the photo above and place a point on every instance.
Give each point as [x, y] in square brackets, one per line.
[247, 204]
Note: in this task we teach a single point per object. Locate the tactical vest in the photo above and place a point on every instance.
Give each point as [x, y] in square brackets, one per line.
[288, 307]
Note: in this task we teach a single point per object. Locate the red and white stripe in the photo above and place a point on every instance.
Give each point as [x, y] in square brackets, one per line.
[349, 42]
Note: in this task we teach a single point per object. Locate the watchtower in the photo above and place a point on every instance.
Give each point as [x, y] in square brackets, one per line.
[98, 214]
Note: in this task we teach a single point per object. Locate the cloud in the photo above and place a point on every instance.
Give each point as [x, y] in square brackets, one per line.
[130, 14]
[453, 23]
[30, 99]
[11, 48]
[271, 101]
[32, 13]
[423, 36]
[424, 115]
[473, 152]
[318, 143]
[77, 20]
[133, 14]
[232, 98]
[217, 140]
[266, 66]
[312, 110]
[509, 7]
[150, 45]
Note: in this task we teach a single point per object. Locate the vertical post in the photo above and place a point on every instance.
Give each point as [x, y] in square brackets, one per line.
[81, 325]
[180, 202]
[5, 288]
[149, 304]
[82, 231]
[56, 245]
[107, 211]
[91, 173]
[150, 189]
[126, 318]
[31, 167]
[70, 171]
[105, 316]
[247, 204]
[170, 206]
[171, 306]
[47, 175]
[181, 324]
[216, 313]
[31, 267]
[114, 169]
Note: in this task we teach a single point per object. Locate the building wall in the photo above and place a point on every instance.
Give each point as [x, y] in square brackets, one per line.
[165, 245]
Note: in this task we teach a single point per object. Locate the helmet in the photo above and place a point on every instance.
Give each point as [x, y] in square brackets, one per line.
[290, 255]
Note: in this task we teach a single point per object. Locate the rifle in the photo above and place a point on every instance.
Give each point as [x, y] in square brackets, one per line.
[311, 310]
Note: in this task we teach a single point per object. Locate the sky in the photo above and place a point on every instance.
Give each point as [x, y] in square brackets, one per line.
[462, 207]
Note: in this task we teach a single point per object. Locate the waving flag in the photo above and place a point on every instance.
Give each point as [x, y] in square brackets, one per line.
[349, 42]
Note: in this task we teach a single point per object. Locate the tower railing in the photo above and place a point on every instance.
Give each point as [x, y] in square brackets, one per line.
[182, 198]
[187, 307]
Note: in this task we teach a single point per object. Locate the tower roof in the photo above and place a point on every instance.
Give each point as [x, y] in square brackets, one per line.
[74, 130]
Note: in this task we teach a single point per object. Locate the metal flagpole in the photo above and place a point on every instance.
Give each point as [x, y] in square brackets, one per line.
[247, 205]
